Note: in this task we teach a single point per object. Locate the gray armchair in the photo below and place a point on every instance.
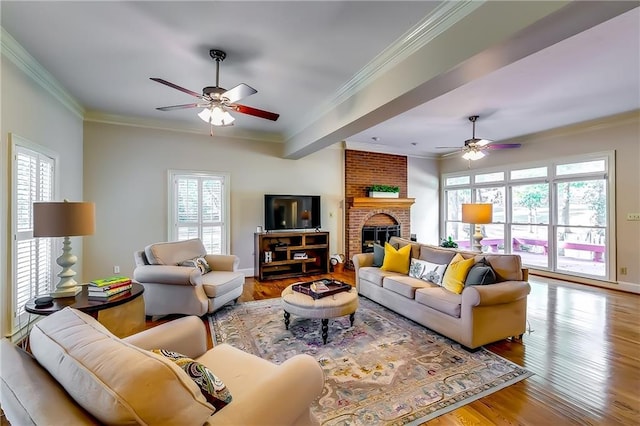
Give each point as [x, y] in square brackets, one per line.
[174, 289]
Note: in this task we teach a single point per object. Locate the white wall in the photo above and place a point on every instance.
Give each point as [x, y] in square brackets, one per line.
[125, 172]
[29, 111]
[423, 185]
[620, 133]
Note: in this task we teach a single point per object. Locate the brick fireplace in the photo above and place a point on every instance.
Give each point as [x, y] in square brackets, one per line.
[363, 169]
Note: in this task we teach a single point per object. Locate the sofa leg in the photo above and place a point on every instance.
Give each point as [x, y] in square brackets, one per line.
[235, 301]
[472, 350]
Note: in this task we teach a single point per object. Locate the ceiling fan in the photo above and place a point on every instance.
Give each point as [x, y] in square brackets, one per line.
[474, 148]
[217, 101]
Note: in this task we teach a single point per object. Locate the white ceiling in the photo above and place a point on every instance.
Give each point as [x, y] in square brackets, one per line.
[576, 64]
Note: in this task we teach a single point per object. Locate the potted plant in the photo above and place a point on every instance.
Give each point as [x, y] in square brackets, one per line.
[384, 191]
[448, 243]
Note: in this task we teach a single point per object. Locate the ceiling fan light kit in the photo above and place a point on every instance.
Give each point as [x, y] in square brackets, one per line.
[474, 148]
[217, 101]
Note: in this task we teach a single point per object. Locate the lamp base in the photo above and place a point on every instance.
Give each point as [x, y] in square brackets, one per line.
[477, 237]
[65, 292]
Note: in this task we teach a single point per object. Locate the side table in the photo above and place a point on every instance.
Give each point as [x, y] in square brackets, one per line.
[122, 316]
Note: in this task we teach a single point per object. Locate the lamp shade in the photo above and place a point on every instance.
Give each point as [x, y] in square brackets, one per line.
[63, 219]
[477, 213]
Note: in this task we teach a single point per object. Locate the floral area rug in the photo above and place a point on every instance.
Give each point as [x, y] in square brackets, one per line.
[385, 370]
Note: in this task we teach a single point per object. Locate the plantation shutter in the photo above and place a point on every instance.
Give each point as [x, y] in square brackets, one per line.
[199, 210]
[33, 175]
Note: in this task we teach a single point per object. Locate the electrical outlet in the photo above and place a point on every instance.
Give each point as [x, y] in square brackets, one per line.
[623, 270]
[633, 216]
[116, 269]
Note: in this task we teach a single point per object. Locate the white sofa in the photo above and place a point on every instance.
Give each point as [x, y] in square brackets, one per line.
[173, 289]
[482, 314]
[81, 374]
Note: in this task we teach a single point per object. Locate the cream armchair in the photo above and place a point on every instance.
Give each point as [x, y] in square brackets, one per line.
[89, 377]
[174, 289]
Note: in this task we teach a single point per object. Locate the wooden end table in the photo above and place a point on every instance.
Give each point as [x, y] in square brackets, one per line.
[122, 316]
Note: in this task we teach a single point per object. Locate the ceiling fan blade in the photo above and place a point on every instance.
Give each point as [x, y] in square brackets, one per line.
[255, 112]
[182, 89]
[239, 92]
[184, 106]
[449, 154]
[503, 145]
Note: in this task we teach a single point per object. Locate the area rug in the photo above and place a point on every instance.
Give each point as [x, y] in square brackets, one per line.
[385, 370]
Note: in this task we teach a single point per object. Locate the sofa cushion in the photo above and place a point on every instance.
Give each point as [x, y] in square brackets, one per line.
[375, 275]
[217, 283]
[404, 285]
[172, 253]
[112, 379]
[396, 260]
[436, 255]
[440, 299]
[456, 273]
[480, 274]
[508, 267]
[213, 389]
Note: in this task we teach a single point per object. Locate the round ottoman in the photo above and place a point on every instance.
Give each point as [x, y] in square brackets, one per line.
[336, 305]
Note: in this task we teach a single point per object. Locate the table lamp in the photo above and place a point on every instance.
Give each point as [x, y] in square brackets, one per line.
[64, 219]
[477, 214]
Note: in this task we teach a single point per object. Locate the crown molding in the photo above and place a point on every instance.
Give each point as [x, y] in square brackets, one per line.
[17, 54]
[181, 127]
[442, 18]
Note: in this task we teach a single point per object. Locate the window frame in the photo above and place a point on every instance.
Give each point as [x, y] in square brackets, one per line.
[225, 177]
[551, 179]
[19, 144]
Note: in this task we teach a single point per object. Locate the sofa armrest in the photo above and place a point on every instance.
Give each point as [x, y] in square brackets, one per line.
[361, 260]
[223, 262]
[495, 294]
[186, 335]
[167, 274]
[300, 378]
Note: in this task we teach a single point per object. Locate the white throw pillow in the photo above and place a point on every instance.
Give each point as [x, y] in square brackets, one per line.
[417, 268]
[433, 272]
[116, 382]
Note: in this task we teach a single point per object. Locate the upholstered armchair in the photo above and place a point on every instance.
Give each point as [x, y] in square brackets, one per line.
[181, 278]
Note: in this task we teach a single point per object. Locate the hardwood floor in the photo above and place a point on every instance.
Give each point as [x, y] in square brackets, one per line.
[583, 345]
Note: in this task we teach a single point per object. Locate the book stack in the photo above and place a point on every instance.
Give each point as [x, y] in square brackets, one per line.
[107, 288]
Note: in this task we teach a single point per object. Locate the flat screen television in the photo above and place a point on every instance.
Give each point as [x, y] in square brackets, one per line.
[291, 212]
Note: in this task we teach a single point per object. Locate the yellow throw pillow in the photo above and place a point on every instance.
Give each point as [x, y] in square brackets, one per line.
[396, 260]
[456, 273]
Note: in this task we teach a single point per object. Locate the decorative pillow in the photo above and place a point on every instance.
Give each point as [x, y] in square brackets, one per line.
[417, 268]
[378, 254]
[197, 262]
[109, 377]
[210, 385]
[433, 272]
[396, 260]
[456, 273]
[481, 274]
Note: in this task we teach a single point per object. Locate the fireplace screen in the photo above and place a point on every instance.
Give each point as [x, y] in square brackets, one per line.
[377, 235]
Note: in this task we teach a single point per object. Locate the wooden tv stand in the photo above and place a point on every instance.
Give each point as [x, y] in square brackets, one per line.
[283, 247]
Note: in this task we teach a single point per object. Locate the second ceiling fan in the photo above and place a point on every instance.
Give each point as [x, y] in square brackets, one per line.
[474, 148]
[217, 101]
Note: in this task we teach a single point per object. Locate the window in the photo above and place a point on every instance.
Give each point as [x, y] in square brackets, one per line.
[198, 208]
[555, 215]
[33, 179]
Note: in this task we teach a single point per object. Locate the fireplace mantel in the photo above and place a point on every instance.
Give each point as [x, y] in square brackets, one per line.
[379, 203]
